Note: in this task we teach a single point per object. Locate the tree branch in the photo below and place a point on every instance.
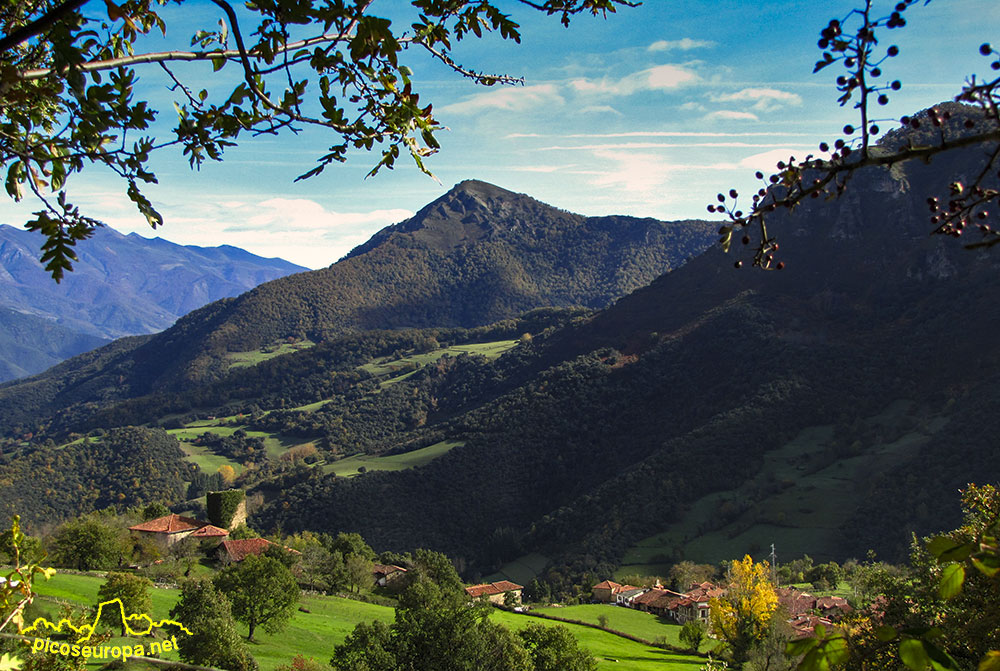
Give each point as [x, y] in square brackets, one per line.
[166, 56]
[40, 24]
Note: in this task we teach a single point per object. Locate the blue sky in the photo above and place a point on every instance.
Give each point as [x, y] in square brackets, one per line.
[650, 113]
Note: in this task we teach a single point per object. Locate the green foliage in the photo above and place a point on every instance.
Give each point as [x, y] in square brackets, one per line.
[262, 591]
[154, 510]
[243, 532]
[128, 466]
[436, 629]
[214, 640]
[941, 614]
[692, 634]
[16, 587]
[89, 543]
[132, 590]
[222, 506]
[555, 649]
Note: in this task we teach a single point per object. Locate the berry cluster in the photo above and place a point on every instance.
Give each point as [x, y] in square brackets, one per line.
[856, 49]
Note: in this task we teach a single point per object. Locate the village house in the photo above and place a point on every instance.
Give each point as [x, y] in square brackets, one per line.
[656, 600]
[170, 529]
[798, 603]
[694, 604]
[626, 596]
[496, 592]
[232, 551]
[385, 574]
[608, 591]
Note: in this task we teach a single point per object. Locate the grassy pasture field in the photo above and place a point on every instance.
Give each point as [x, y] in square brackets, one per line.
[330, 619]
[395, 462]
[635, 622]
[611, 651]
[521, 570]
[388, 366]
[799, 480]
[245, 359]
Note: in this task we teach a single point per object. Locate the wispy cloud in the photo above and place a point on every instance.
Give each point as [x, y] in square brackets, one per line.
[731, 115]
[296, 229]
[600, 109]
[685, 44]
[662, 133]
[658, 78]
[664, 145]
[761, 99]
[516, 99]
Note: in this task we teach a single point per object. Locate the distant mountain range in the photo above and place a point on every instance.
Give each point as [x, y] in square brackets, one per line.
[122, 285]
[474, 256]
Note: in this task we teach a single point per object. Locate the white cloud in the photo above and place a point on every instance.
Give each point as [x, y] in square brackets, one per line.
[767, 161]
[685, 44]
[517, 99]
[658, 78]
[761, 99]
[299, 230]
[731, 115]
[600, 109]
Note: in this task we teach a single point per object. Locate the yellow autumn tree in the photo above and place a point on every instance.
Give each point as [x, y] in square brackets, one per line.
[742, 616]
[228, 474]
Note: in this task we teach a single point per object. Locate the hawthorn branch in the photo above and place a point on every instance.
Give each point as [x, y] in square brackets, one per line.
[40, 25]
[167, 56]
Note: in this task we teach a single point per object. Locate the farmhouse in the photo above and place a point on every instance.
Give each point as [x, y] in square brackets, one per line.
[167, 530]
[236, 551]
[385, 574]
[496, 592]
[608, 591]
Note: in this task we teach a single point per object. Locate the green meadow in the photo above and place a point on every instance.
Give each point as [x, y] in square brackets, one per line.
[397, 462]
[330, 619]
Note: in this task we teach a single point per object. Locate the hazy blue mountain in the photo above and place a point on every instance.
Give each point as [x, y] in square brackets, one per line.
[122, 285]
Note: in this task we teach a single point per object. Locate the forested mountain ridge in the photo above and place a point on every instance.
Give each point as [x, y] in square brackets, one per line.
[474, 256]
[122, 285]
[827, 407]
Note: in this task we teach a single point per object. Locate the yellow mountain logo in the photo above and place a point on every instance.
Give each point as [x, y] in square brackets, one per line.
[144, 623]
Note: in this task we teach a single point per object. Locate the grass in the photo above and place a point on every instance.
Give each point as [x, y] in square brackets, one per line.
[521, 570]
[313, 634]
[397, 462]
[611, 651]
[245, 359]
[392, 367]
[207, 461]
[331, 619]
[635, 622]
[798, 479]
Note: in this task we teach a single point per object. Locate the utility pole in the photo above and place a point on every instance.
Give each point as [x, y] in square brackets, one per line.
[774, 567]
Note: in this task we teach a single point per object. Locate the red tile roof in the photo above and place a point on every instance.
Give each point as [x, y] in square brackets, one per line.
[386, 569]
[241, 549]
[607, 584]
[210, 531]
[169, 524]
[491, 589]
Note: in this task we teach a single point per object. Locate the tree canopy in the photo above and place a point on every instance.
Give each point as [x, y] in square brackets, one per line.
[69, 98]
